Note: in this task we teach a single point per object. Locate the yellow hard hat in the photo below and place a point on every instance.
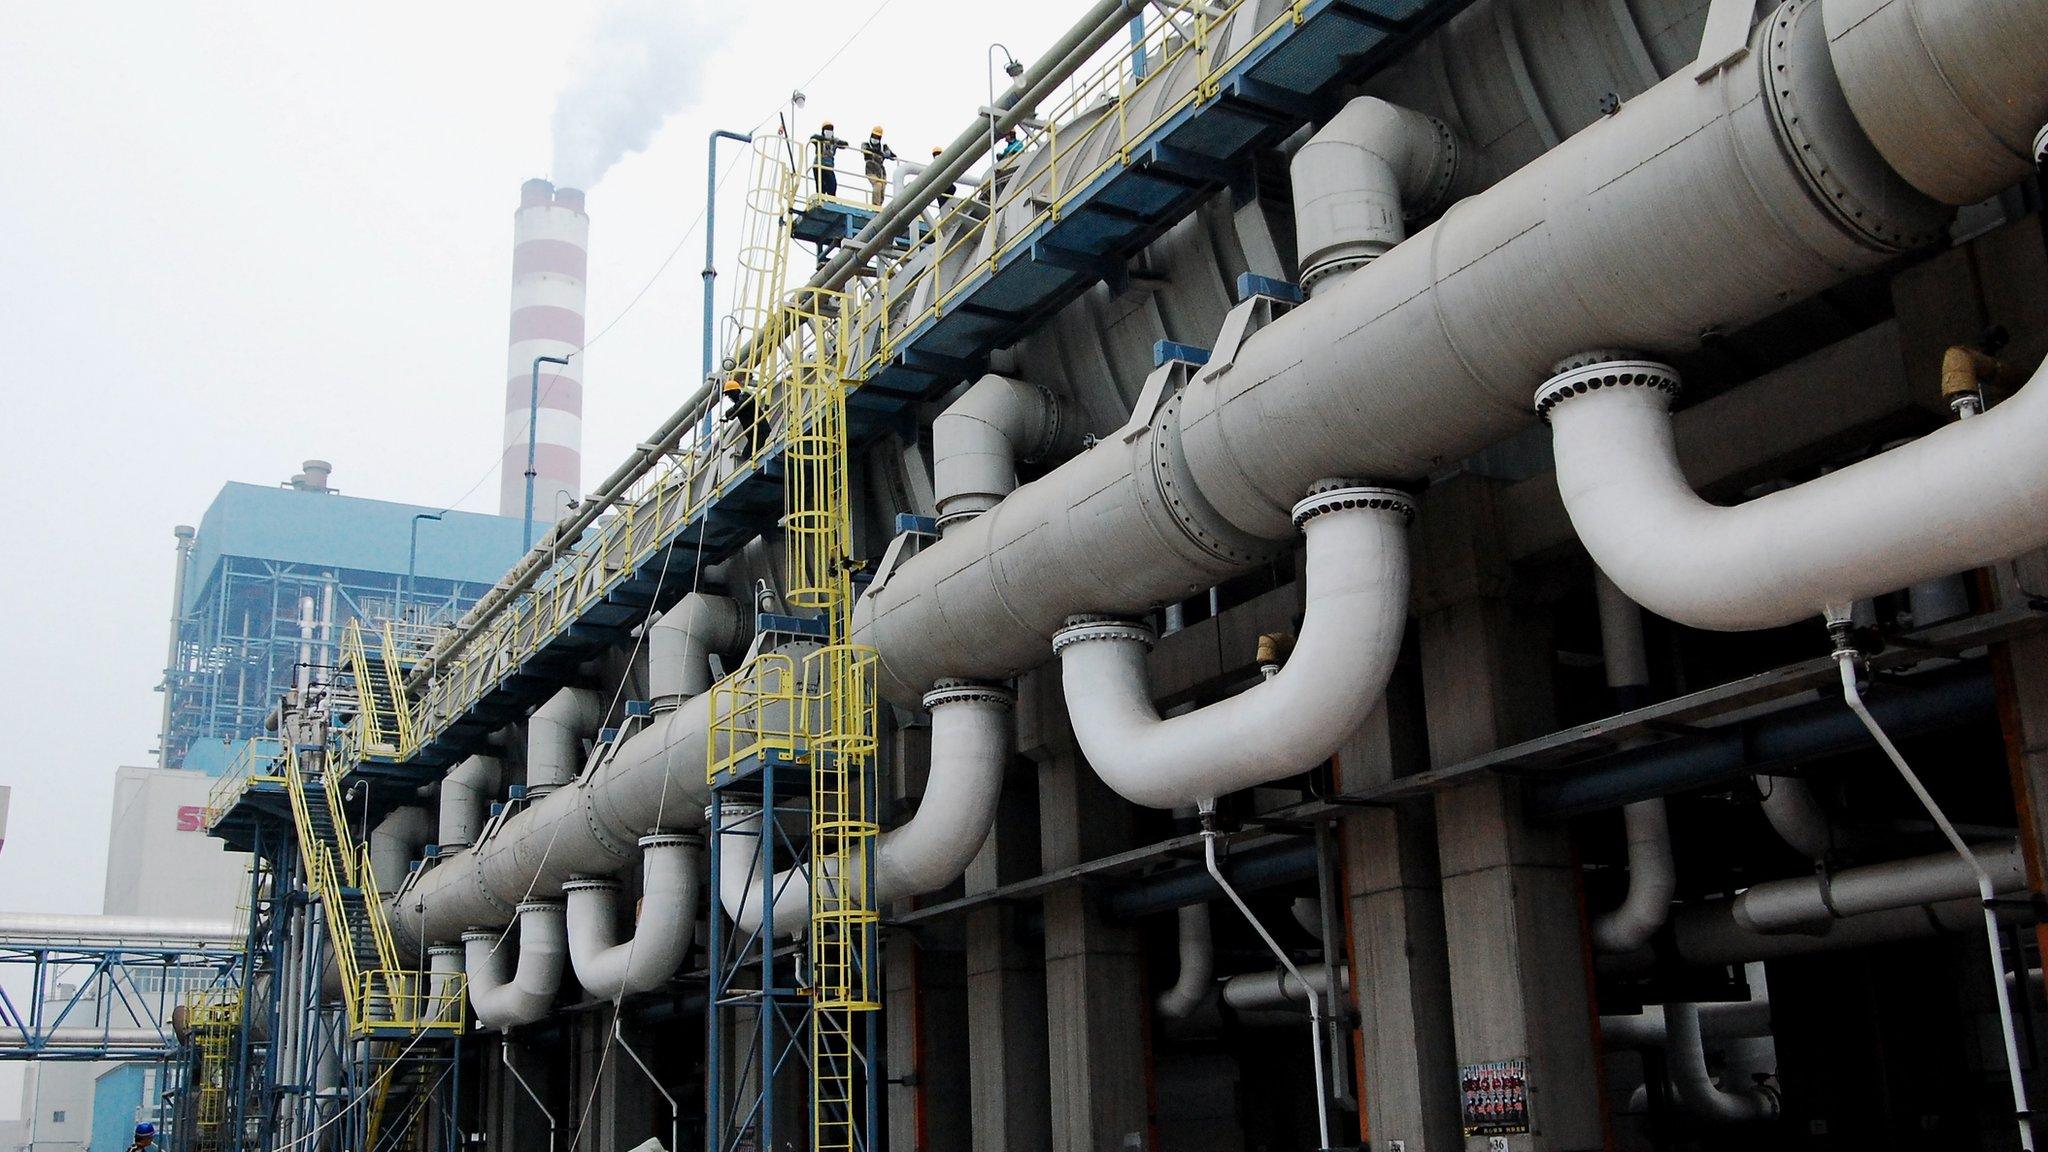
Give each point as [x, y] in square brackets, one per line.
[827, 125]
[731, 384]
[937, 151]
[877, 131]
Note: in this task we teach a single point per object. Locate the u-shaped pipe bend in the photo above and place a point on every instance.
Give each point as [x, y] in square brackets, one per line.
[671, 881]
[1356, 583]
[522, 996]
[1971, 493]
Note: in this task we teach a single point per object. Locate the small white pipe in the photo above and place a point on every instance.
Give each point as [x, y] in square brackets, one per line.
[1356, 580]
[1796, 815]
[1652, 872]
[679, 645]
[1717, 1021]
[1280, 988]
[1358, 181]
[671, 880]
[1963, 496]
[155, 931]
[1810, 903]
[971, 745]
[466, 794]
[1196, 981]
[396, 842]
[1686, 1057]
[554, 738]
[502, 1000]
[978, 441]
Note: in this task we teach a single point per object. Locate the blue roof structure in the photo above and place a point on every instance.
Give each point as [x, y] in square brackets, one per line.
[327, 529]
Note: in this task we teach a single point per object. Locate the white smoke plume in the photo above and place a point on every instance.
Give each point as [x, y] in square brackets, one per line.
[641, 65]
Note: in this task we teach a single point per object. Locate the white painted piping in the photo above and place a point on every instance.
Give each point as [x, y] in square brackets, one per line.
[1360, 178]
[671, 885]
[155, 931]
[1729, 1020]
[681, 642]
[466, 794]
[444, 964]
[1652, 872]
[979, 440]
[1686, 1059]
[970, 746]
[1796, 815]
[1196, 949]
[1809, 903]
[396, 842]
[503, 999]
[1968, 494]
[1279, 988]
[1356, 588]
[554, 738]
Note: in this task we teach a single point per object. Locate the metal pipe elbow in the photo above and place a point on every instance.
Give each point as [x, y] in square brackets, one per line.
[466, 794]
[1195, 983]
[1965, 495]
[978, 441]
[1361, 178]
[671, 878]
[680, 643]
[1356, 582]
[1652, 882]
[554, 737]
[502, 1000]
[1686, 1054]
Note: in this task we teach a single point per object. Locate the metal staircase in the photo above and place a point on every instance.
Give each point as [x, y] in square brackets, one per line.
[375, 660]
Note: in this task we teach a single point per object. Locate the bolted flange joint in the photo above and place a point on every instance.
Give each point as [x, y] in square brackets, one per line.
[1085, 628]
[1579, 375]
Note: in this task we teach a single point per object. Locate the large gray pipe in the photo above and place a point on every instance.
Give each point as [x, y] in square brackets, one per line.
[503, 996]
[1684, 212]
[466, 794]
[671, 889]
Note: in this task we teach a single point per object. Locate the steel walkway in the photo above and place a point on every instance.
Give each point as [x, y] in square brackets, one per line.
[1281, 76]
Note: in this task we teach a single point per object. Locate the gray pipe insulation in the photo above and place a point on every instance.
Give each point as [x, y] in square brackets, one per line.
[501, 995]
[396, 842]
[466, 795]
[671, 890]
[1699, 205]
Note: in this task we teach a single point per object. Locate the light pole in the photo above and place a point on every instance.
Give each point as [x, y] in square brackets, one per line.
[533, 435]
[412, 553]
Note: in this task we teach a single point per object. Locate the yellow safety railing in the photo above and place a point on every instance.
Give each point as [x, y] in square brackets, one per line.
[258, 761]
[757, 710]
[1189, 46]
[389, 995]
[377, 657]
[214, 1017]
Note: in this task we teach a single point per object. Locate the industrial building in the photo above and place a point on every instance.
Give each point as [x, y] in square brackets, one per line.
[1395, 574]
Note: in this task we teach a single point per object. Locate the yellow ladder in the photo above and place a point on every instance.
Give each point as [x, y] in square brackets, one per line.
[214, 1018]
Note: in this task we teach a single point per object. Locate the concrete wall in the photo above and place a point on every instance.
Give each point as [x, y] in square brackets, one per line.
[160, 861]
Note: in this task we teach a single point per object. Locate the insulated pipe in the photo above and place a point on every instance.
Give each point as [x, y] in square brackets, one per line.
[554, 737]
[444, 964]
[1905, 63]
[1360, 179]
[1196, 981]
[1730, 1020]
[396, 842]
[671, 879]
[466, 794]
[979, 440]
[680, 643]
[1279, 989]
[148, 931]
[970, 746]
[1356, 588]
[1652, 873]
[1686, 1057]
[1960, 497]
[1797, 816]
[502, 1001]
[1684, 211]
[1809, 903]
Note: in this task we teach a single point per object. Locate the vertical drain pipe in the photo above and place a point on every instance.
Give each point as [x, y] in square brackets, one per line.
[1313, 992]
[1846, 656]
[1652, 873]
[505, 1056]
[675, 1123]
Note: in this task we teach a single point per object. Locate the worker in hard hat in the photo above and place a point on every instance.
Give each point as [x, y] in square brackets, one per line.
[825, 146]
[145, 1137]
[1011, 146]
[875, 157]
[945, 195]
[742, 408]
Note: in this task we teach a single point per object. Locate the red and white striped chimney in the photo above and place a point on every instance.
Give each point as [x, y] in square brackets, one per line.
[550, 240]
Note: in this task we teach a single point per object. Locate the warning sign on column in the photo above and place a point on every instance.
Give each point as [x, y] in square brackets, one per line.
[1493, 1097]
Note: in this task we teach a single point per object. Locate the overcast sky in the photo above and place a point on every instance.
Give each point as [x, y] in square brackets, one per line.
[240, 235]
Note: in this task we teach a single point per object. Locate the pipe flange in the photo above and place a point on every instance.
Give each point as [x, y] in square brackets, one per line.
[732, 811]
[1446, 174]
[471, 935]
[595, 826]
[1051, 436]
[1082, 629]
[1841, 169]
[1336, 495]
[445, 949]
[1586, 378]
[483, 889]
[956, 691]
[1186, 507]
[589, 884]
[671, 840]
[526, 906]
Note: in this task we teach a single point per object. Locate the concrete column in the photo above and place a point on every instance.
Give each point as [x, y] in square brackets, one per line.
[928, 1055]
[1096, 1010]
[1400, 971]
[1514, 925]
[1009, 1078]
[2021, 670]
